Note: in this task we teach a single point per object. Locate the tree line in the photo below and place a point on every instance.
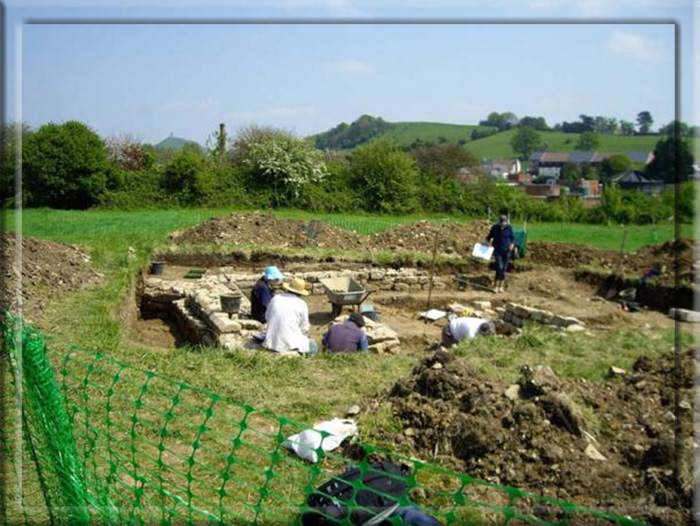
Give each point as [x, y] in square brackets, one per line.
[68, 165]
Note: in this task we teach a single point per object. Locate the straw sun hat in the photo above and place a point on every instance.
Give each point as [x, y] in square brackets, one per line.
[296, 286]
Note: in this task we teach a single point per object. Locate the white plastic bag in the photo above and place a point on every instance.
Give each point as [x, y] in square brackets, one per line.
[306, 443]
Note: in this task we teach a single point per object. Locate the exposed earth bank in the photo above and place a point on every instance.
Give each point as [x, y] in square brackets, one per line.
[609, 446]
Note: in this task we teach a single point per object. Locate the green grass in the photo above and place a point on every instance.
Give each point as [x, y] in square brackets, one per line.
[405, 133]
[107, 231]
[498, 146]
[305, 390]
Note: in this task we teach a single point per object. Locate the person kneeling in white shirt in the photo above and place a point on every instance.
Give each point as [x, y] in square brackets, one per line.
[288, 321]
[458, 329]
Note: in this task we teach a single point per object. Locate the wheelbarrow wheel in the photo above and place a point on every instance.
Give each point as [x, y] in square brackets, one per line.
[337, 309]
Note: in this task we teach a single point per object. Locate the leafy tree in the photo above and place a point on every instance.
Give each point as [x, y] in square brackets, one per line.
[188, 177]
[627, 127]
[525, 141]
[128, 153]
[442, 160]
[644, 121]
[346, 136]
[536, 123]
[673, 161]
[501, 121]
[9, 150]
[569, 172]
[587, 122]
[613, 166]
[385, 177]
[676, 128]
[588, 141]
[64, 166]
[283, 164]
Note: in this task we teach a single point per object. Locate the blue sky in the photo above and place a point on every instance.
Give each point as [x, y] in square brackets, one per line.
[151, 80]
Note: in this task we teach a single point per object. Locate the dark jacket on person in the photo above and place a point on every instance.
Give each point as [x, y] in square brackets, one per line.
[345, 337]
[502, 238]
[259, 299]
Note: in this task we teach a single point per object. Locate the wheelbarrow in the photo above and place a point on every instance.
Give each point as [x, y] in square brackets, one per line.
[344, 290]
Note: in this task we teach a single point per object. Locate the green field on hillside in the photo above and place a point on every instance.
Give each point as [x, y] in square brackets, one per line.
[405, 133]
[498, 146]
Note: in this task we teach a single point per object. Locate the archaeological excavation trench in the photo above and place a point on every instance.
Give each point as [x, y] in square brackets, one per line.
[182, 306]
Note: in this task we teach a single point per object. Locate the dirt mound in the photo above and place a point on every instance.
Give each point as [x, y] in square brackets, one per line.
[608, 446]
[419, 236]
[47, 268]
[661, 257]
[266, 229]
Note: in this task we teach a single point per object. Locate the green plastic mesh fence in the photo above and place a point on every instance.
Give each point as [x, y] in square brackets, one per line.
[112, 443]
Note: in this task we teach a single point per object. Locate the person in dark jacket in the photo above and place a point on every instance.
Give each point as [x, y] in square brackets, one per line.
[263, 291]
[347, 336]
[502, 240]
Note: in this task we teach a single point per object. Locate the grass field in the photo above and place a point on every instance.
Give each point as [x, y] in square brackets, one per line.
[307, 390]
[405, 133]
[497, 146]
[142, 229]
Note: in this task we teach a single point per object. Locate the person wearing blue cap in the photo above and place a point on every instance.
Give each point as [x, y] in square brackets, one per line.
[263, 291]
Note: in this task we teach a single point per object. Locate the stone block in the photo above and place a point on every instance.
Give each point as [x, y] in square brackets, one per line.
[510, 307]
[386, 285]
[250, 325]
[575, 328]
[481, 305]
[688, 316]
[411, 280]
[223, 324]
[401, 287]
[439, 285]
[318, 288]
[381, 333]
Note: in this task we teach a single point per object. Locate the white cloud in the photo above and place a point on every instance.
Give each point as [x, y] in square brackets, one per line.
[271, 114]
[634, 46]
[352, 66]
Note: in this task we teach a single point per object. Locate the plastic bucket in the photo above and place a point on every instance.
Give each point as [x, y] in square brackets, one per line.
[230, 303]
[157, 267]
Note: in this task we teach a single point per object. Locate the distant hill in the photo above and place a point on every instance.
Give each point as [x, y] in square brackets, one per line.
[497, 146]
[492, 144]
[174, 143]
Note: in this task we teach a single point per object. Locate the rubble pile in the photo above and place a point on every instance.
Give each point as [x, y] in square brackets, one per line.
[45, 269]
[607, 445]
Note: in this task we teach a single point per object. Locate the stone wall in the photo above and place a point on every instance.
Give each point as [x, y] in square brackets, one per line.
[372, 279]
[517, 315]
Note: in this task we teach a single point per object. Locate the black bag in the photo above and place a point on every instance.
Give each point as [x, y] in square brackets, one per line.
[328, 504]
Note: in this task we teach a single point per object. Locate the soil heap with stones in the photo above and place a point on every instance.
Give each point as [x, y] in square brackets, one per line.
[46, 269]
[662, 257]
[267, 230]
[609, 446]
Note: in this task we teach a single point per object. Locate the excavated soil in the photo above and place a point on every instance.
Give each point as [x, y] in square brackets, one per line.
[538, 440]
[662, 257]
[47, 269]
[266, 229]
[455, 239]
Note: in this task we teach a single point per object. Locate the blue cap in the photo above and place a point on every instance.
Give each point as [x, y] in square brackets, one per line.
[273, 273]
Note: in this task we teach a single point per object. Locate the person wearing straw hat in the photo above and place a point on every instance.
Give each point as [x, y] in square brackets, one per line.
[263, 291]
[288, 320]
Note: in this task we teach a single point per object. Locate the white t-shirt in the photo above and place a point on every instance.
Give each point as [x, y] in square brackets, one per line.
[466, 327]
[287, 324]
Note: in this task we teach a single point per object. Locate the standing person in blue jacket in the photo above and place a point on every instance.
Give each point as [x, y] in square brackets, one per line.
[263, 291]
[502, 240]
